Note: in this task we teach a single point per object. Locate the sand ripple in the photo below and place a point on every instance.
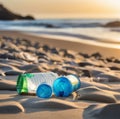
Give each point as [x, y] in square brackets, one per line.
[100, 78]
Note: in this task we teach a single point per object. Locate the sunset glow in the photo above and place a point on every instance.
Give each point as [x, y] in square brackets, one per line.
[65, 8]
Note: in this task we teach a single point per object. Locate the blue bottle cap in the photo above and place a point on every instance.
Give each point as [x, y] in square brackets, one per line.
[44, 91]
[62, 87]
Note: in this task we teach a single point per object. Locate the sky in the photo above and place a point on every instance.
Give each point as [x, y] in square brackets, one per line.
[65, 8]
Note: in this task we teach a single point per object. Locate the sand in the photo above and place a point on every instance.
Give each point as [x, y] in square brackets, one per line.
[58, 42]
[97, 67]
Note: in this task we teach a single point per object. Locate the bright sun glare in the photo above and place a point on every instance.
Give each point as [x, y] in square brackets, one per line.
[112, 3]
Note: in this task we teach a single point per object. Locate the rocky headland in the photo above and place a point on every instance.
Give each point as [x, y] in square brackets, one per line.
[6, 14]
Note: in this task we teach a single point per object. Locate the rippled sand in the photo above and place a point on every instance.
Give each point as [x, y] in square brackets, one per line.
[97, 98]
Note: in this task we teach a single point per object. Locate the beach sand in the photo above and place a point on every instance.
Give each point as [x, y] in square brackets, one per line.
[83, 47]
[97, 67]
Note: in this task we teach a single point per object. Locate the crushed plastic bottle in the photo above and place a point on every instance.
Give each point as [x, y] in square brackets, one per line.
[29, 82]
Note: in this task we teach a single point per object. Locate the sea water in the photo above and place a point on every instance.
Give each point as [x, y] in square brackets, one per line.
[90, 30]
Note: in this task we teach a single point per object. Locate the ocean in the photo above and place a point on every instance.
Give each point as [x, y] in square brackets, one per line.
[79, 30]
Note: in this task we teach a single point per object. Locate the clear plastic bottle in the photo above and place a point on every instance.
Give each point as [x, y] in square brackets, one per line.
[29, 82]
[65, 85]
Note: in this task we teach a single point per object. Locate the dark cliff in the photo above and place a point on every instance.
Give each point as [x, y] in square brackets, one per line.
[6, 14]
[112, 24]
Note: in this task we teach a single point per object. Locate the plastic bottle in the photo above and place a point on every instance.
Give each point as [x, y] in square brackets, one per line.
[65, 85]
[29, 82]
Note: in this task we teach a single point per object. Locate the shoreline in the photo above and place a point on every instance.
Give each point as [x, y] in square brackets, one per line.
[65, 44]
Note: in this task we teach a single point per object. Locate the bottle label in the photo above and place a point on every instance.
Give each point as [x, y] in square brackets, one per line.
[22, 84]
[74, 81]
